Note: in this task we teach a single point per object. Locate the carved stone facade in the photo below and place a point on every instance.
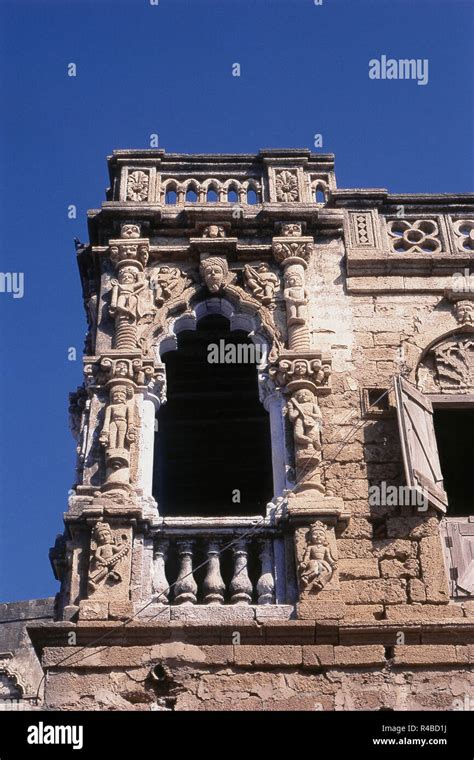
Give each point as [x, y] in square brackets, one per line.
[363, 331]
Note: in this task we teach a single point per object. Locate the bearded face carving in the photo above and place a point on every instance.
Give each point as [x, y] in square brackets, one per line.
[214, 272]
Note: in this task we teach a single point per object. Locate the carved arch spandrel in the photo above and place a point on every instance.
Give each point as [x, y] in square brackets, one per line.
[446, 365]
[238, 301]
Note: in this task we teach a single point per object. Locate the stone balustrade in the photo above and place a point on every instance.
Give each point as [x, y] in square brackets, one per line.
[226, 566]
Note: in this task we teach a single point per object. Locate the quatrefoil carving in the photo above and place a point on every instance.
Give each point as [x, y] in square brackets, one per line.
[421, 236]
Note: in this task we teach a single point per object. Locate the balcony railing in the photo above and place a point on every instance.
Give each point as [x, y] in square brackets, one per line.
[222, 561]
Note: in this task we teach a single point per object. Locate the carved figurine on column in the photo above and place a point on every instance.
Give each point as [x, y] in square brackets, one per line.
[305, 415]
[105, 557]
[131, 301]
[295, 295]
[318, 564]
[118, 432]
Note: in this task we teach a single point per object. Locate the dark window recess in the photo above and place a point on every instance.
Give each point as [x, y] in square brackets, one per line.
[213, 433]
[378, 399]
[455, 437]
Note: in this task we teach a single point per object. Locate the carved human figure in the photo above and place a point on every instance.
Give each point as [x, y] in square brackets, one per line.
[118, 430]
[131, 301]
[262, 282]
[318, 564]
[295, 296]
[169, 283]
[214, 271]
[106, 557]
[306, 417]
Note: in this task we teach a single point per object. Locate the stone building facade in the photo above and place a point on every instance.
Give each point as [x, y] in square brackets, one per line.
[287, 525]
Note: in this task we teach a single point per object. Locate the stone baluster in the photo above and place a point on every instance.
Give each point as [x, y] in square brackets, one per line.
[266, 582]
[240, 585]
[213, 586]
[186, 587]
[160, 582]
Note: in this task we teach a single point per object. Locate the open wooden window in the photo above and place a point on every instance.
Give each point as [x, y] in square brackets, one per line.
[459, 551]
[419, 445]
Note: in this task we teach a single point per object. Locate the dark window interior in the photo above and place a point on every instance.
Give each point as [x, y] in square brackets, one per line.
[455, 436]
[378, 399]
[213, 433]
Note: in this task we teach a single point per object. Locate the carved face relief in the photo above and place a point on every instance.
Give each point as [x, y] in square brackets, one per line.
[121, 369]
[291, 229]
[127, 276]
[293, 280]
[214, 231]
[214, 273]
[130, 231]
[464, 312]
[119, 396]
[300, 368]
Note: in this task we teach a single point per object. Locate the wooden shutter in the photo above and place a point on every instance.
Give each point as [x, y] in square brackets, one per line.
[459, 539]
[418, 440]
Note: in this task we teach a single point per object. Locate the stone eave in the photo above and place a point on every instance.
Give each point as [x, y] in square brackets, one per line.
[256, 633]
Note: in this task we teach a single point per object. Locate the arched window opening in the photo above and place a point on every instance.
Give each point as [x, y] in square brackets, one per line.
[232, 196]
[212, 446]
[319, 195]
[211, 196]
[191, 195]
[251, 197]
[170, 198]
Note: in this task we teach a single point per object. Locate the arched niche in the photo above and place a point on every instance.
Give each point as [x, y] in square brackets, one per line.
[446, 366]
[264, 408]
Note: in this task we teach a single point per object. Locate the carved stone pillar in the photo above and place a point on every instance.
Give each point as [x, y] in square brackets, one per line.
[292, 251]
[266, 582]
[160, 581]
[186, 587]
[213, 586]
[240, 586]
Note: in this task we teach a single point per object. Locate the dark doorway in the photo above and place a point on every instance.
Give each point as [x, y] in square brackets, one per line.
[213, 437]
[455, 436]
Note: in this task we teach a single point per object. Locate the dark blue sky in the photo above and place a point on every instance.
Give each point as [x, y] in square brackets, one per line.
[166, 69]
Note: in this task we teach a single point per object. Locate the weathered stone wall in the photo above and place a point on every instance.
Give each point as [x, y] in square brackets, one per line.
[179, 676]
[20, 669]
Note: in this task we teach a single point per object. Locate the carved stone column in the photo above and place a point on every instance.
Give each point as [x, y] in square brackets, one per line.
[186, 587]
[266, 582]
[160, 581]
[240, 586]
[213, 586]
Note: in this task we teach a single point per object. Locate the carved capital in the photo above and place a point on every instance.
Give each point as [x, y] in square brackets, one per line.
[305, 370]
[130, 248]
[290, 250]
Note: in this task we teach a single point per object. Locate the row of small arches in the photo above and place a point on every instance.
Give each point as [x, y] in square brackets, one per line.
[231, 191]
[211, 191]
